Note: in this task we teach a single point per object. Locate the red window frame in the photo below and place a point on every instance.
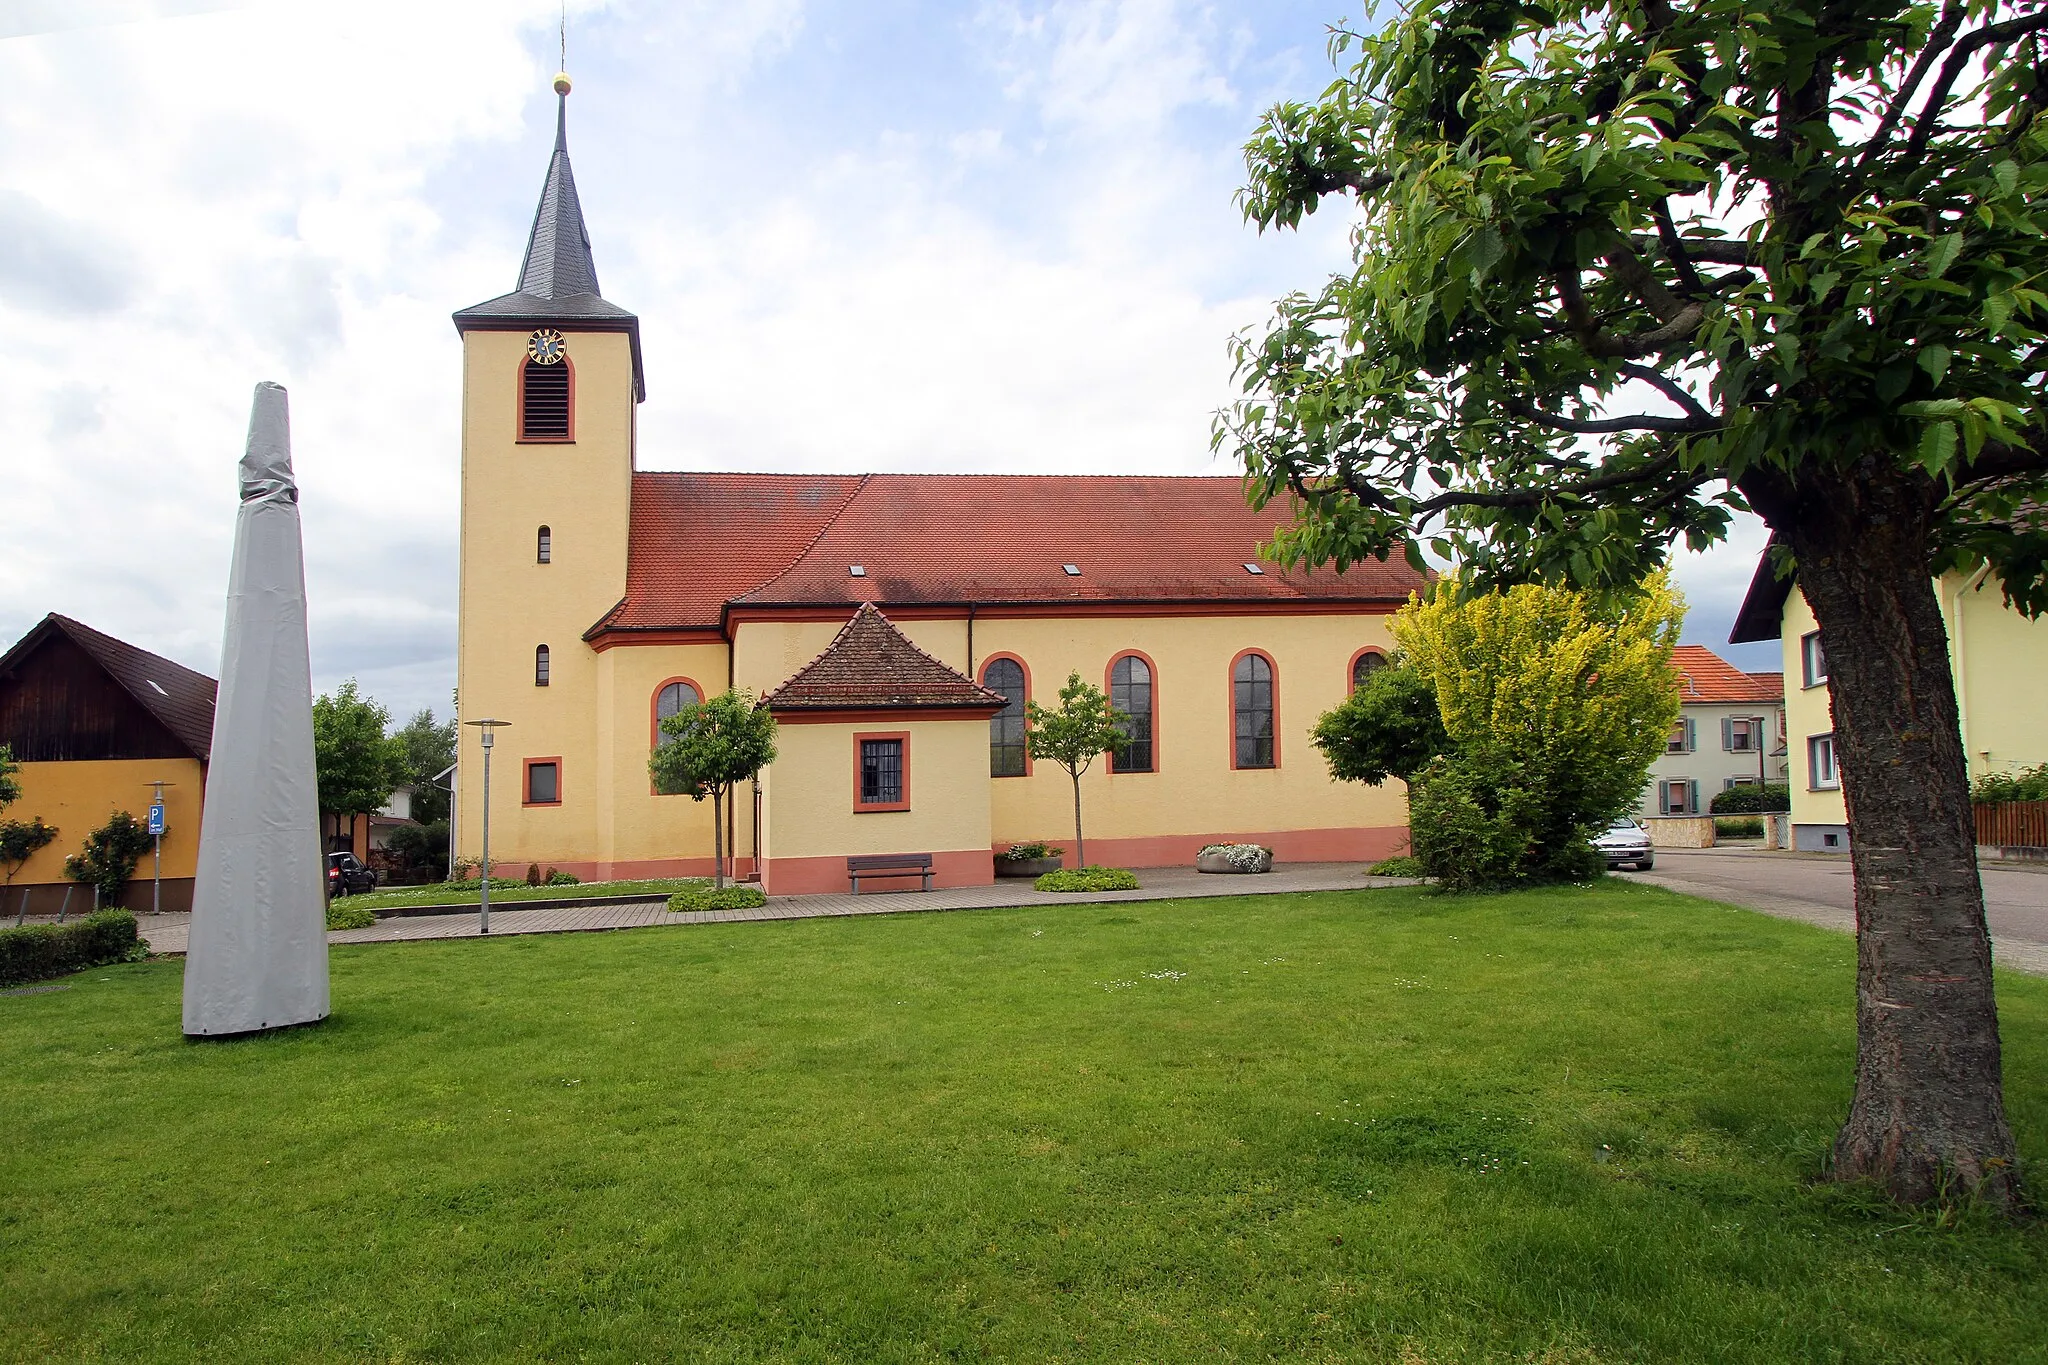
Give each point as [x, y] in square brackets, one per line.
[1109, 689]
[903, 777]
[526, 780]
[1350, 671]
[519, 416]
[1230, 682]
[981, 676]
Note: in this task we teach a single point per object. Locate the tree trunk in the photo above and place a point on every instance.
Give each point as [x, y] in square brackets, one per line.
[1928, 1117]
[1080, 849]
[717, 839]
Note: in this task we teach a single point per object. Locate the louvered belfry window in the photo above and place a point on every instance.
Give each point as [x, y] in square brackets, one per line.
[544, 402]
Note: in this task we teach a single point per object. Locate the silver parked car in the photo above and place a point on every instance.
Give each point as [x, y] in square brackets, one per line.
[1625, 841]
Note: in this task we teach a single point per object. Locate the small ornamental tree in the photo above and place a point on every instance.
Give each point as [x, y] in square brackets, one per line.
[107, 861]
[10, 778]
[712, 746]
[1621, 267]
[1084, 726]
[357, 764]
[1388, 727]
[21, 840]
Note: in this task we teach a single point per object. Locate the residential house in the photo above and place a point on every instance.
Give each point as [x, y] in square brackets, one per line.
[1731, 733]
[99, 725]
[1996, 656]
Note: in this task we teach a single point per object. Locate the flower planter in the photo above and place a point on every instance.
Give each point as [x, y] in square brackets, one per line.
[1026, 867]
[1217, 862]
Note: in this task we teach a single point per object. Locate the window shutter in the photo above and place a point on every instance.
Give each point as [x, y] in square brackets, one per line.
[1692, 735]
[1663, 798]
[1692, 798]
[1727, 734]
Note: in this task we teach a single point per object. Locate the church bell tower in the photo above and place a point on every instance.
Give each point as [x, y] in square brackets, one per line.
[551, 379]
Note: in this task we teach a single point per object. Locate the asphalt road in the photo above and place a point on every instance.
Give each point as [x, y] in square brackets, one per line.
[1816, 888]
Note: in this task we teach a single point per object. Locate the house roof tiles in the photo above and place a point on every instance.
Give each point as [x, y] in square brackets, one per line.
[934, 539]
[1709, 679]
[870, 664]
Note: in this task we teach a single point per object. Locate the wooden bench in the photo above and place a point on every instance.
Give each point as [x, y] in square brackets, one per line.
[890, 865]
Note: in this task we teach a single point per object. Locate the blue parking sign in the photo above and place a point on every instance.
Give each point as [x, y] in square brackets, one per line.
[156, 817]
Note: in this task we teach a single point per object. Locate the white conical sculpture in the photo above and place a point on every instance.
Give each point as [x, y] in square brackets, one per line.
[258, 953]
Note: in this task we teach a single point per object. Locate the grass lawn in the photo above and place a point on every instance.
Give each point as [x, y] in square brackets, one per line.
[1568, 1127]
[397, 897]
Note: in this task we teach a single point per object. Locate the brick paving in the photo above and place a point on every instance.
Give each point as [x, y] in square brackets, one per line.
[167, 933]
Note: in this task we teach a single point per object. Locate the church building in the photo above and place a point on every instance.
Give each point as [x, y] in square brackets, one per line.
[893, 624]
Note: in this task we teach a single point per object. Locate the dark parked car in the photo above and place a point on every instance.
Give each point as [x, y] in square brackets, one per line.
[347, 877]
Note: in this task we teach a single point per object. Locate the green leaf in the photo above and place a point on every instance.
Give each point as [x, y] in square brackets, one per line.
[1937, 446]
[1941, 254]
[1997, 308]
[2007, 175]
[1934, 360]
[1892, 381]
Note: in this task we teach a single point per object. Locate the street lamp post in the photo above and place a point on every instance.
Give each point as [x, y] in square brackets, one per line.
[484, 880]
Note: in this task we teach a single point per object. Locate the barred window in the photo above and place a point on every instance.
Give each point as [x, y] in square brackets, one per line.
[1252, 704]
[544, 551]
[881, 772]
[540, 666]
[1130, 693]
[1006, 727]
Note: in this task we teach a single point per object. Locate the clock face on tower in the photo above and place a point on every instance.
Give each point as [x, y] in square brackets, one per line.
[546, 347]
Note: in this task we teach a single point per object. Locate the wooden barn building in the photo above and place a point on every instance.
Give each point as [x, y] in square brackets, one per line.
[95, 723]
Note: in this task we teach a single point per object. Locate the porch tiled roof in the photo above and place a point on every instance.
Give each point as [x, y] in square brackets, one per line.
[871, 665]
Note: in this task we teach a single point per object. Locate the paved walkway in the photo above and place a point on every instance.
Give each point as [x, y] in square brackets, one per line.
[167, 933]
[1815, 888]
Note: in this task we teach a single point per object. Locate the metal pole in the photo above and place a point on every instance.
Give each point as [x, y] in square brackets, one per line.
[484, 899]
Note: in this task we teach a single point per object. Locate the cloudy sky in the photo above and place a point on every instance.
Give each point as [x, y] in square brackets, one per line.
[889, 235]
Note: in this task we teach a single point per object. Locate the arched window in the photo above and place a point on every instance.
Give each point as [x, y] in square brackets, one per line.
[544, 406]
[1006, 756]
[540, 665]
[672, 697]
[1368, 662]
[1251, 687]
[544, 550]
[1130, 691]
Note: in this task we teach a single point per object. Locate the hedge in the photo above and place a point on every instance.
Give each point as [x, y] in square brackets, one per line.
[36, 952]
[1751, 799]
[1088, 879]
[701, 898]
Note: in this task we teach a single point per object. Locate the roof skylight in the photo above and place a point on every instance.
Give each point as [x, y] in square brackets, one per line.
[1254, 568]
[1073, 570]
[857, 570]
[158, 686]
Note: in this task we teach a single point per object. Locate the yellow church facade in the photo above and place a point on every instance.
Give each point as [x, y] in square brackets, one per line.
[893, 624]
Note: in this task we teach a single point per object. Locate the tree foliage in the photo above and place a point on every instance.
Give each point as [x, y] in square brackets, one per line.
[1526, 720]
[21, 840]
[1083, 727]
[428, 746]
[10, 778]
[107, 861]
[711, 746]
[1622, 267]
[357, 763]
[1388, 727]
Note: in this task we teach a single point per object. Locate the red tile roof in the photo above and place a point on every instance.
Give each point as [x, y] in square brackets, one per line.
[1708, 679]
[871, 664]
[700, 541]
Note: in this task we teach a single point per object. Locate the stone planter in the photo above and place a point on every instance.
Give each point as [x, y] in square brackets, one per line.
[1216, 862]
[1026, 867]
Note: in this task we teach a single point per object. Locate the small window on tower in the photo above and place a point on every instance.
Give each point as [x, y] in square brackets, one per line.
[546, 553]
[540, 666]
[544, 401]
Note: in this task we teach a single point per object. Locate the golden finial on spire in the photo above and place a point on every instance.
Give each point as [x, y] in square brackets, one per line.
[561, 82]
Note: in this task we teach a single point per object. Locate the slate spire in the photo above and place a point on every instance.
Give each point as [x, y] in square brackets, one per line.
[558, 262]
